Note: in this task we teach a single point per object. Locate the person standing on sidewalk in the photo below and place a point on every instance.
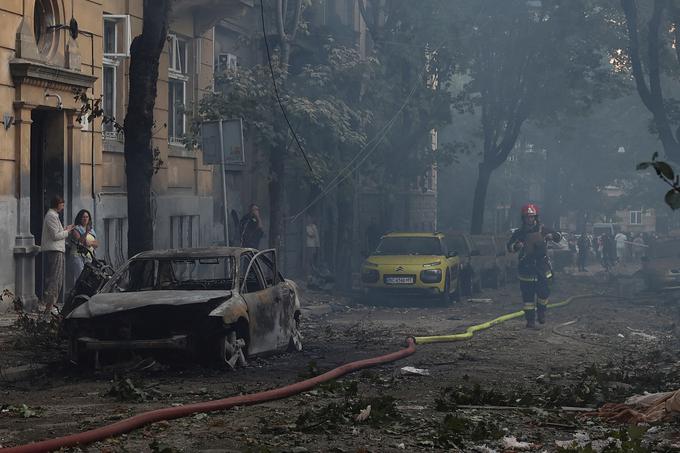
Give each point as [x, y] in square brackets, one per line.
[53, 247]
[251, 228]
[533, 265]
[583, 251]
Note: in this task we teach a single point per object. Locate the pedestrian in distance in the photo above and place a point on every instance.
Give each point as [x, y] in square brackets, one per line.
[53, 248]
[533, 265]
[251, 228]
[583, 244]
[312, 245]
[621, 240]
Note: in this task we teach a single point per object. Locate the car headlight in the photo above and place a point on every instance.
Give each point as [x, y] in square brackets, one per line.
[369, 264]
[433, 264]
[431, 276]
[370, 275]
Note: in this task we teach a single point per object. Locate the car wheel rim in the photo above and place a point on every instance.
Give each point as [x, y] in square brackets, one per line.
[232, 350]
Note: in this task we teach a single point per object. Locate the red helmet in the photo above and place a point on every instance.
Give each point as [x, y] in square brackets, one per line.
[529, 210]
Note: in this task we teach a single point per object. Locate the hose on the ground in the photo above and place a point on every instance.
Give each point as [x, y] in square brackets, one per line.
[469, 332]
[146, 418]
[170, 413]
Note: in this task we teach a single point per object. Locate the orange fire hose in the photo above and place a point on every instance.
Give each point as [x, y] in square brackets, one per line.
[170, 413]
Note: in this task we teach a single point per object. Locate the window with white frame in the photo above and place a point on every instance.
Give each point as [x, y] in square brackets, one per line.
[636, 217]
[117, 36]
[116, 42]
[178, 75]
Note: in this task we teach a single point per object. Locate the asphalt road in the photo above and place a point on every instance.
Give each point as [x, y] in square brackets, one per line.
[506, 382]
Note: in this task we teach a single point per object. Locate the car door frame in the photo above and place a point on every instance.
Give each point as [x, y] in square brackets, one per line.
[269, 326]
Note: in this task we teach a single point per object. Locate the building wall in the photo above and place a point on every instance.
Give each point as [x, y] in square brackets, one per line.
[647, 218]
[89, 165]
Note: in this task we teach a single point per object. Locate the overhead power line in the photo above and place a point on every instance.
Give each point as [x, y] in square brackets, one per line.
[276, 90]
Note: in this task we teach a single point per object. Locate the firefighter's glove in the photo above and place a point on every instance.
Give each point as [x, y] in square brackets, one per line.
[517, 246]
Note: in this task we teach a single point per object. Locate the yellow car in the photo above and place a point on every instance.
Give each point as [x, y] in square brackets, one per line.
[413, 263]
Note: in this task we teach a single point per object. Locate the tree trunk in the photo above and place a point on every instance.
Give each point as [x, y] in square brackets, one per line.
[479, 200]
[145, 53]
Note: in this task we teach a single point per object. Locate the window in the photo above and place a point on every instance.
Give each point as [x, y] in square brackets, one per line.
[109, 100]
[636, 217]
[177, 273]
[253, 281]
[115, 241]
[177, 82]
[116, 45]
[407, 245]
[268, 270]
[117, 36]
[184, 231]
[43, 23]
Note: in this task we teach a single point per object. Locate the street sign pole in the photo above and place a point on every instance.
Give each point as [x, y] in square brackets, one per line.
[224, 188]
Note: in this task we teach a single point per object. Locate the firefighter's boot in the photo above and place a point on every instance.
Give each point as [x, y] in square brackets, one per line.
[530, 316]
[541, 308]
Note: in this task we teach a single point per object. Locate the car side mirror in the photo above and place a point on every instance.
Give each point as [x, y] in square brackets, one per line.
[452, 254]
[474, 253]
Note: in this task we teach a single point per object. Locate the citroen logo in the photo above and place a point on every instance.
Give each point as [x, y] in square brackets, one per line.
[400, 269]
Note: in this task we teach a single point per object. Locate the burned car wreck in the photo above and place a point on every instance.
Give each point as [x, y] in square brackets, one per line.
[221, 303]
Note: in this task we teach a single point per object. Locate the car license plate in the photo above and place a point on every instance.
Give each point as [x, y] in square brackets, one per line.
[400, 280]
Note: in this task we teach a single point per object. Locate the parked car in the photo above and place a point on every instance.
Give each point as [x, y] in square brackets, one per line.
[471, 277]
[492, 260]
[224, 302]
[412, 263]
[661, 264]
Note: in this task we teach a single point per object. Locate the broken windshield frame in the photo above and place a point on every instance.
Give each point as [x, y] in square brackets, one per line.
[176, 273]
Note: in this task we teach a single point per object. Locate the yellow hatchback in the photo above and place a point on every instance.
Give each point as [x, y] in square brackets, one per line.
[413, 263]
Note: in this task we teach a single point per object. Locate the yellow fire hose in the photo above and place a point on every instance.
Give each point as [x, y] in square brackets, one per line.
[485, 325]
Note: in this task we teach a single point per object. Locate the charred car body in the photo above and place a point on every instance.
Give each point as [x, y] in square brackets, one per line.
[224, 302]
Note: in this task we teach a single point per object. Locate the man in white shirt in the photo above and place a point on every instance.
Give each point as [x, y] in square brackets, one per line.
[620, 239]
[312, 244]
[53, 247]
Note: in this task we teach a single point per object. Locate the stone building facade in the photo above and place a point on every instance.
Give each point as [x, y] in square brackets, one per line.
[45, 150]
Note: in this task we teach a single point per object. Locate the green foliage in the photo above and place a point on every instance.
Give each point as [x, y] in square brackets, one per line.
[383, 411]
[665, 172]
[123, 389]
[455, 429]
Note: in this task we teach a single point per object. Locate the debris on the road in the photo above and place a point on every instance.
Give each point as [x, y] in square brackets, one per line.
[647, 408]
[511, 442]
[641, 334]
[22, 411]
[363, 414]
[413, 370]
[124, 389]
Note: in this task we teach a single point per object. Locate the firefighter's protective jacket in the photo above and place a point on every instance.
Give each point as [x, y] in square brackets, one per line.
[530, 242]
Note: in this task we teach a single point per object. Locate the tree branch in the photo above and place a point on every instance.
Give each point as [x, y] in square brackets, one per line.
[296, 19]
[280, 28]
[630, 10]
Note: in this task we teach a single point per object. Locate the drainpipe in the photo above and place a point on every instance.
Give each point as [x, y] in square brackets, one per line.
[92, 150]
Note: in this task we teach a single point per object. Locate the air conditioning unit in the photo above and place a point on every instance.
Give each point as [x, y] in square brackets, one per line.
[227, 61]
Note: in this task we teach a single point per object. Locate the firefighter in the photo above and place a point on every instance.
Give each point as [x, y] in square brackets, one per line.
[533, 266]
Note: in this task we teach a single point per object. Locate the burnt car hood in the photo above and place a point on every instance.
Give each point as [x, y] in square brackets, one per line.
[107, 303]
